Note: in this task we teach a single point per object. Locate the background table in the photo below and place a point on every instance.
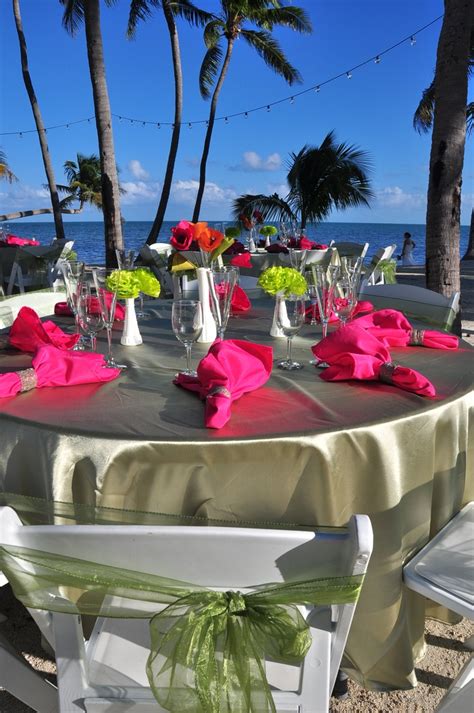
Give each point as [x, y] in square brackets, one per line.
[297, 451]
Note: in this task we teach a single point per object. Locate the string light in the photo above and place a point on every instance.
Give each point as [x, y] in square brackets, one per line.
[315, 88]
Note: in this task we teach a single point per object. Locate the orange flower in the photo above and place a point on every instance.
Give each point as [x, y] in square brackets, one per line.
[208, 239]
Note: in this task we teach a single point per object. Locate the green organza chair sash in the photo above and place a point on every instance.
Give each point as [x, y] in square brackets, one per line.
[207, 648]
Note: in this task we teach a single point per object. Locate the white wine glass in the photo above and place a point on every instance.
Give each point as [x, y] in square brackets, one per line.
[344, 300]
[186, 320]
[89, 313]
[107, 284]
[72, 272]
[223, 282]
[290, 319]
[298, 259]
[325, 282]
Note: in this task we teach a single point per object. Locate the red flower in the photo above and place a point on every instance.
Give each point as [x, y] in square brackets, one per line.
[182, 235]
[258, 217]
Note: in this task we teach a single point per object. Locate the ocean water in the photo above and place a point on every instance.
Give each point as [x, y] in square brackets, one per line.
[89, 236]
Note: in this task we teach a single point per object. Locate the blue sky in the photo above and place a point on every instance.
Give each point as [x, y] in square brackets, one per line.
[373, 109]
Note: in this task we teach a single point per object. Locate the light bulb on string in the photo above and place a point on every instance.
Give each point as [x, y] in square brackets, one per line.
[21, 135]
[292, 100]
[144, 123]
[226, 120]
[190, 126]
[317, 89]
[413, 40]
[268, 107]
[246, 115]
[377, 60]
[158, 126]
[349, 75]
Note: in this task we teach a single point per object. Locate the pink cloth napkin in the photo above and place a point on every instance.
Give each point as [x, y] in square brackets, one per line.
[28, 332]
[393, 329]
[306, 244]
[242, 260]
[62, 309]
[361, 307]
[230, 369]
[53, 367]
[16, 240]
[240, 300]
[353, 353]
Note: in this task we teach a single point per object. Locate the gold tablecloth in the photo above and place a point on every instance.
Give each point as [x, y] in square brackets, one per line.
[298, 450]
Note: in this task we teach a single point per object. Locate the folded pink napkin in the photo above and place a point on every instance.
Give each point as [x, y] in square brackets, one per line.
[28, 332]
[392, 328]
[306, 244]
[53, 367]
[361, 307]
[62, 309]
[242, 260]
[15, 240]
[353, 353]
[230, 369]
[240, 300]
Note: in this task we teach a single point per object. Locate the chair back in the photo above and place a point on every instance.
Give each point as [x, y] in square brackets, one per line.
[220, 558]
[415, 302]
[373, 274]
[42, 301]
[156, 258]
[348, 249]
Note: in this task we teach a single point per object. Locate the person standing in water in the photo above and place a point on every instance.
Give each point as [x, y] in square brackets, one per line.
[406, 255]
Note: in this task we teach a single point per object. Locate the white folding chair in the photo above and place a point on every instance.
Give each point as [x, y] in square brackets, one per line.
[373, 274]
[42, 301]
[444, 572]
[416, 302]
[107, 673]
[348, 249]
[55, 279]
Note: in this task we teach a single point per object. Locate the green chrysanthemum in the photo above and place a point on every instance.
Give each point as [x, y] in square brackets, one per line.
[268, 230]
[129, 283]
[282, 280]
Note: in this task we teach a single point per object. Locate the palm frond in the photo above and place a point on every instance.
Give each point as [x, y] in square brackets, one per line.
[270, 51]
[213, 31]
[271, 207]
[423, 116]
[295, 18]
[73, 16]
[470, 117]
[209, 69]
[140, 11]
[189, 12]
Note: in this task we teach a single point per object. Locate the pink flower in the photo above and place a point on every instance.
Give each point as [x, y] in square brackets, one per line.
[182, 235]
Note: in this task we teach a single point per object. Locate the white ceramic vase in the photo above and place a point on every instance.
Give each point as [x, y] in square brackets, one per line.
[279, 311]
[131, 336]
[209, 330]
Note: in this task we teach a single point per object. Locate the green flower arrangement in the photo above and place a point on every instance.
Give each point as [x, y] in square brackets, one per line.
[283, 281]
[268, 230]
[232, 232]
[129, 283]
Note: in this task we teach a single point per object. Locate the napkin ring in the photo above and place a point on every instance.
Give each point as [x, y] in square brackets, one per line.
[220, 391]
[386, 372]
[416, 338]
[28, 379]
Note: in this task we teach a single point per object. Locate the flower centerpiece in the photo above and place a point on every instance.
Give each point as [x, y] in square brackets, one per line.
[281, 282]
[128, 284]
[249, 222]
[268, 231]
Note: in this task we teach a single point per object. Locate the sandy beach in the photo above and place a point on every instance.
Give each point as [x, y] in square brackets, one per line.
[445, 652]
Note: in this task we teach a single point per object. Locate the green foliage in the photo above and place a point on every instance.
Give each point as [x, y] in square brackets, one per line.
[232, 232]
[268, 230]
[389, 270]
[129, 283]
[282, 280]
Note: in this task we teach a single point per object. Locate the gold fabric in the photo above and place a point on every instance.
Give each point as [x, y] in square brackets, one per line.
[298, 450]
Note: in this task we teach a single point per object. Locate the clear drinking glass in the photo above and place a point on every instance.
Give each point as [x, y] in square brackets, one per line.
[107, 296]
[290, 319]
[223, 282]
[344, 299]
[72, 272]
[325, 282]
[313, 296]
[186, 320]
[89, 313]
[125, 259]
[298, 259]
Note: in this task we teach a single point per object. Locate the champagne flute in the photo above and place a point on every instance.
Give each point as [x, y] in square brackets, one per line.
[344, 299]
[186, 320]
[89, 313]
[72, 272]
[290, 319]
[313, 296]
[325, 281]
[298, 259]
[222, 284]
[107, 284]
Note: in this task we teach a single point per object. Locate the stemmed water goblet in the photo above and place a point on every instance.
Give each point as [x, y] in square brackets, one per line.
[344, 299]
[89, 313]
[222, 284]
[298, 259]
[73, 275]
[107, 283]
[290, 318]
[313, 296]
[186, 320]
[325, 282]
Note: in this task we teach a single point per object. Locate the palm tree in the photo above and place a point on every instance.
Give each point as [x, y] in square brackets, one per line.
[423, 122]
[140, 10]
[84, 181]
[48, 166]
[447, 148]
[5, 171]
[226, 29]
[77, 11]
[320, 179]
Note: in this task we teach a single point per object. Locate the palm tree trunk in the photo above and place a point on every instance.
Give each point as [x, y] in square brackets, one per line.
[178, 110]
[108, 166]
[469, 255]
[210, 127]
[38, 211]
[48, 166]
[447, 149]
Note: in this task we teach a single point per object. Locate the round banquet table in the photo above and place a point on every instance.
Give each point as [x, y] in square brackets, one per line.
[298, 451]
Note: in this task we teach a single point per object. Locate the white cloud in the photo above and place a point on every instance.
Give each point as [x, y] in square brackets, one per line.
[185, 192]
[25, 197]
[252, 161]
[137, 170]
[140, 192]
[280, 188]
[396, 197]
